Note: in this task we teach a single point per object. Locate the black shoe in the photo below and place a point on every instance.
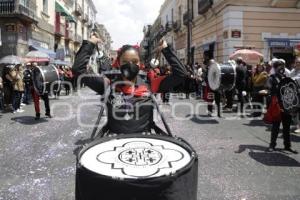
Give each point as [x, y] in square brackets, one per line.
[37, 116]
[48, 115]
[270, 149]
[291, 150]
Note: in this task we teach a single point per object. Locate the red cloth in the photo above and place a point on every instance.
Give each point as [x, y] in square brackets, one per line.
[208, 95]
[274, 112]
[36, 100]
[139, 91]
[155, 80]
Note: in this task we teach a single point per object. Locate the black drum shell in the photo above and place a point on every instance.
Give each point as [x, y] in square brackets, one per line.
[181, 186]
[49, 75]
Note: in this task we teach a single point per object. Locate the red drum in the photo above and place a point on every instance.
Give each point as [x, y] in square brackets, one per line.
[131, 167]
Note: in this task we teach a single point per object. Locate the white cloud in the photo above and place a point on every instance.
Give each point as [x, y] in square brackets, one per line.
[125, 19]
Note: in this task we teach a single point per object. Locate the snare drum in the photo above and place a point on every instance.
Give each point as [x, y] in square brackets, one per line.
[43, 78]
[140, 167]
[222, 76]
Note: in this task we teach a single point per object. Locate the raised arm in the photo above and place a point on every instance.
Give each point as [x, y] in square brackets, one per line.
[177, 76]
[80, 70]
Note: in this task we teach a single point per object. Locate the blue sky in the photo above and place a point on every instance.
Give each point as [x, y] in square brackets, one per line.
[125, 19]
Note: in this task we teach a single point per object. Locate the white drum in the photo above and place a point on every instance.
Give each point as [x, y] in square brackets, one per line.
[221, 76]
[138, 167]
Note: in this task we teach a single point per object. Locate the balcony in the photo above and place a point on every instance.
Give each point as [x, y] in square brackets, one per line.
[16, 10]
[69, 35]
[78, 39]
[60, 29]
[169, 26]
[177, 26]
[85, 18]
[78, 10]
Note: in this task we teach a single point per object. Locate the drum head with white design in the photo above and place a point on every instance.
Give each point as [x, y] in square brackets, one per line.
[135, 158]
[289, 95]
[214, 76]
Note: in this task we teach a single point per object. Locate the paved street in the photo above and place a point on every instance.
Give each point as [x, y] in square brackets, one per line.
[38, 161]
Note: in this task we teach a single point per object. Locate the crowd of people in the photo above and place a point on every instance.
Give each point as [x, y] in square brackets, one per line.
[17, 88]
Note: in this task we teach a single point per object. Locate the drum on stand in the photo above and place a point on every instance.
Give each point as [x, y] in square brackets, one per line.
[221, 76]
[43, 78]
[289, 94]
[137, 167]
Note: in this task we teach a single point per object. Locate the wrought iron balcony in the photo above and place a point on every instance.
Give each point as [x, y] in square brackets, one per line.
[78, 10]
[15, 9]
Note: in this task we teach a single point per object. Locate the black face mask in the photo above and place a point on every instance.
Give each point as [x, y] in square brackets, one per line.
[129, 71]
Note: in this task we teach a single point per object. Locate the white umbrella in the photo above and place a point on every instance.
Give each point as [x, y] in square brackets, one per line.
[11, 60]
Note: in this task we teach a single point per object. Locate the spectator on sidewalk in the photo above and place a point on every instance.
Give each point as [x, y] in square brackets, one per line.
[259, 80]
[7, 87]
[18, 87]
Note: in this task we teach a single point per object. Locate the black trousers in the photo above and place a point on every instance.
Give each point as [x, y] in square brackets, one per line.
[286, 123]
[229, 96]
[217, 97]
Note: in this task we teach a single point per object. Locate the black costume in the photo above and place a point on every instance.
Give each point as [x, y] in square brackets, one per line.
[286, 118]
[129, 113]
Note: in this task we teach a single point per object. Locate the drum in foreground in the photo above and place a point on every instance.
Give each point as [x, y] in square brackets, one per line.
[221, 76]
[137, 167]
[289, 95]
[43, 78]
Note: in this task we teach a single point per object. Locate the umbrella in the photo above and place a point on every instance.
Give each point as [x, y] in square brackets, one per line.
[11, 60]
[37, 56]
[249, 56]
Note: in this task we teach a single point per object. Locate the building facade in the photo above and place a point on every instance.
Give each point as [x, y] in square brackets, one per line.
[106, 39]
[220, 27]
[56, 27]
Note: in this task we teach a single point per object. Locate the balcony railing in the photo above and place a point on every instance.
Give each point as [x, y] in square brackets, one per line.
[60, 29]
[69, 35]
[13, 8]
[85, 18]
[78, 38]
[78, 10]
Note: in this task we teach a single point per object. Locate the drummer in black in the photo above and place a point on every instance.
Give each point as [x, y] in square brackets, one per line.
[129, 105]
[286, 118]
[36, 98]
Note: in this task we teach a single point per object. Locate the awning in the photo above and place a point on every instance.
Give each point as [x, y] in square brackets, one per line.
[64, 12]
[51, 53]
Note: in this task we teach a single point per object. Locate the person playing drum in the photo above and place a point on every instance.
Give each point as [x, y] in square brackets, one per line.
[129, 106]
[286, 118]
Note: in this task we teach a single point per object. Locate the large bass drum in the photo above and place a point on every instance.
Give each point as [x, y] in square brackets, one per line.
[137, 167]
[289, 94]
[44, 77]
[221, 76]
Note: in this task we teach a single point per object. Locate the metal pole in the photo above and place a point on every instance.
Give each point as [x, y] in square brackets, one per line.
[189, 33]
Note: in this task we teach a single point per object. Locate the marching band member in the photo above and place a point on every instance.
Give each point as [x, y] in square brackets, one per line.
[132, 94]
[286, 118]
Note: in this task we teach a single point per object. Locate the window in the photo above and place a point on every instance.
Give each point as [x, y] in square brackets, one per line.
[45, 6]
[24, 3]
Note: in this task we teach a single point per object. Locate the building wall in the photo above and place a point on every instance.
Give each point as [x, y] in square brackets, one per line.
[256, 20]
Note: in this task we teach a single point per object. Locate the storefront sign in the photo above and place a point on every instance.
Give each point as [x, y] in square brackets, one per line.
[279, 43]
[37, 43]
[236, 34]
[204, 6]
